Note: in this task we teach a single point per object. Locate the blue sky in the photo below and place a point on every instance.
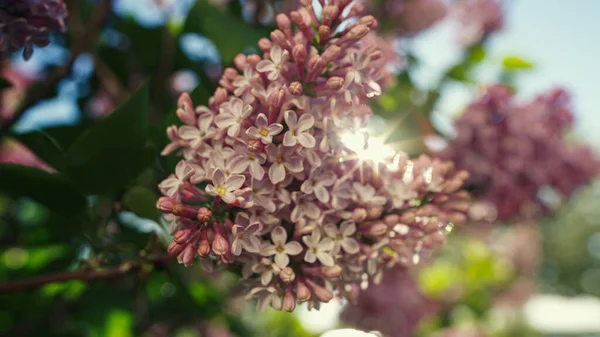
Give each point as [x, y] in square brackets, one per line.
[560, 37]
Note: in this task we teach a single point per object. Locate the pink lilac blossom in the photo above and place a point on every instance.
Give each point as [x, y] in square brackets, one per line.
[274, 190]
[394, 307]
[406, 18]
[513, 150]
[478, 19]
[26, 23]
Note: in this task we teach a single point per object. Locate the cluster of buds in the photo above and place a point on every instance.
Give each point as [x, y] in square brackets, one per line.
[513, 151]
[478, 19]
[267, 184]
[25, 23]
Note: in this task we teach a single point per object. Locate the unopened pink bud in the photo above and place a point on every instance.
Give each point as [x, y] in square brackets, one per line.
[297, 19]
[276, 98]
[334, 83]
[302, 292]
[185, 112]
[174, 248]
[359, 214]
[331, 53]
[322, 293]
[289, 301]
[241, 60]
[457, 218]
[357, 32]
[357, 9]
[283, 22]
[182, 236]
[299, 53]
[187, 256]
[330, 13]
[295, 88]
[204, 214]
[377, 229]
[220, 245]
[204, 246]
[287, 275]
[279, 38]
[374, 213]
[369, 21]
[230, 73]
[391, 220]
[253, 60]
[407, 218]
[220, 96]
[185, 211]
[165, 204]
[331, 272]
[324, 33]
[265, 45]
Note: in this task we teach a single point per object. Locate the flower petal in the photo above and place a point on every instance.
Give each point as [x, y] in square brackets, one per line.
[305, 122]
[325, 259]
[288, 139]
[331, 230]
[279, 236]
[282, 260]
[291, 119]
[265, 65]
[276, 173]
[292, 248]
[310, 257]
[347, 228]
[307, 140]
[350, 246]
[321, 193]
[234, 182]
[267, 249]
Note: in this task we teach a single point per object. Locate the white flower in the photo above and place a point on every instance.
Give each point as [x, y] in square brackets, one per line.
[171, 186]
[282, 159]
[224, 187]
[196, 135]
[400, 193]
[366, 194]
[245, 159]
[266, 268]
[298, 129]
[342, 237]
[280, 249]
[241, 83]
[318, 183]
[267, 296]
[278, 61]
[318, 249]
[245, 235]
[263, 130]
[231, 115]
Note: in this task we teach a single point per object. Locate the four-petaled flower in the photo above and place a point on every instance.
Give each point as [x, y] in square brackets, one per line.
[298, 132]
[267, 296]
[170, 186]
[274, 66]
[245, 159]
[318, 249]
[197, 135]
[280, 248]
[263, 130]
[317, 183]
[366, 195]
[343, 237]
[225, 186]
[243, 82]
[282, 159]
[231, 115]
[401, 193]
[266, 268]
[245, 235]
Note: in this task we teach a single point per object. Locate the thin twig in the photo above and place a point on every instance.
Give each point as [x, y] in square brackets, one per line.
[80, 275]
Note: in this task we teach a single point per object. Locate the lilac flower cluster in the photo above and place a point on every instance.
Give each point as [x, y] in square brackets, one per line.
[478, 19]
[25, 23]
[407, 17]
[267, 184]
[394, 307]
[513, 150]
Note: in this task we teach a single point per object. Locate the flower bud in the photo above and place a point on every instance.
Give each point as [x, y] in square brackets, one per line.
[276, 99]
[204, 246]
[253, 60]
[279, 38]
[357, 32]
[374, 213]
[184, 111]
[283, 22]
[174, 248]
[185, 211]
[204, 214]
[183, 236]
[220, 96]
[230, 73]
[322, 293]
[330, 13]
[297, 19]
[295, 88]
[391, 219]
[369, 21]
[331, 272]
[377, 229]
[265, 45]
[302, 292]
[331, 53]
[220, 245]
[289, 301]
[359, 215]
[187, 256]
[324, 33]
[165, 204]
[457, 218]
[240, 61]
[299, 53]
[334, 83]
[287, 275]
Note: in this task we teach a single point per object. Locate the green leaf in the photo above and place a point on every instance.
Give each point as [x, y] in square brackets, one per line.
[142, 201]
[44, 146]
[112, 152]
[230, 35]
[516, 63]
[53, 190]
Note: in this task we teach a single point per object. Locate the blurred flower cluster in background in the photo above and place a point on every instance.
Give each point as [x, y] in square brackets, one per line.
[387, 168]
